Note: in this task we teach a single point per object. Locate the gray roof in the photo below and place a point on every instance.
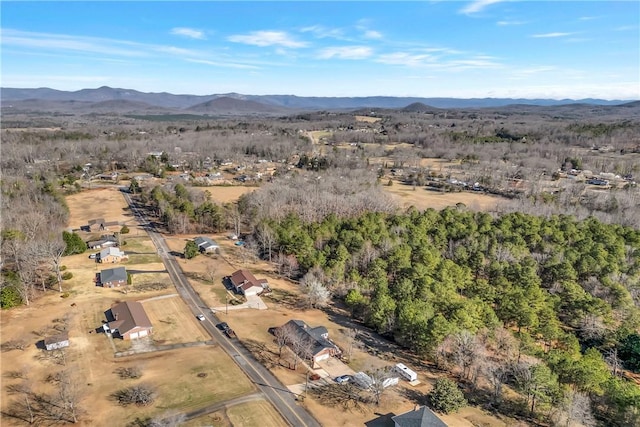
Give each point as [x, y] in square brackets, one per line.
[113, 275]
[54, 339]
[316, 335]
[205, 242]
[421, 417]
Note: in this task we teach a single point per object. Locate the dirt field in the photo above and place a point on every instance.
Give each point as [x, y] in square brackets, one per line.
[423, 198]
[172, 321]
[367, 119]
[227, 194]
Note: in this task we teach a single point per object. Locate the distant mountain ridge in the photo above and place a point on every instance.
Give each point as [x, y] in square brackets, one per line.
[166, 100]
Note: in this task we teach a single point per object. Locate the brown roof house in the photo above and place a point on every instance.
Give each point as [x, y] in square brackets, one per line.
[112, 277]
[322, 347]
[57, 341]
[244, 282]
[419, 417]
[127, 320]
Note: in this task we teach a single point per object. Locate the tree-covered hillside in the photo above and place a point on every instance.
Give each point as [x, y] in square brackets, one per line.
[568, 290]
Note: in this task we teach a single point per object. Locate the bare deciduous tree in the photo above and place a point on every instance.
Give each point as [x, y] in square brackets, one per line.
[314, 293]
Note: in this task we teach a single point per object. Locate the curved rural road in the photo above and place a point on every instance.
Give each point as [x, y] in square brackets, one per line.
[274, 392]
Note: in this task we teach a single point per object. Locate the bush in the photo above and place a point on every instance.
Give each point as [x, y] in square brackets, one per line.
[65, 295]
[190, 250]
[10, 297]
[132, 372]
[141, 395]
[67, 275]
[124, 230]
[74, 243]
[63, 267]
[446, 397]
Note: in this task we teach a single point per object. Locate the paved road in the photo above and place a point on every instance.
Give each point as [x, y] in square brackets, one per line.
[276, 393]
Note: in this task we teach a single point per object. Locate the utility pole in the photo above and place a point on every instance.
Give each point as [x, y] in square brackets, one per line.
[226, 306]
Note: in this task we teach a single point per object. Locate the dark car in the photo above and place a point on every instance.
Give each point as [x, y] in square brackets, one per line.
[223, 326]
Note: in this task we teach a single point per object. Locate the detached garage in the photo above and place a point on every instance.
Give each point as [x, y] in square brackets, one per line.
[128, 320]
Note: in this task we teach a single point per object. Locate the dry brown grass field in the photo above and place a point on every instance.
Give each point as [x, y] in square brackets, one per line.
[423, 198]
[257, 413]
[367, 119]
[227, 194]
[172, 321]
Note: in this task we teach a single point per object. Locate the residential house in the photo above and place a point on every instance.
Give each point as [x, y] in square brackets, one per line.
[99, 224]
[419, 417]
[112, 277]
[96, 224]
[111, 255]
[57, 341]
[244, 282]
[104, 242]
[128, 320]
[321, 346]
[206, 244]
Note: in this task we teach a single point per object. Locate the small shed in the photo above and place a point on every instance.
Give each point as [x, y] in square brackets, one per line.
[57, 341]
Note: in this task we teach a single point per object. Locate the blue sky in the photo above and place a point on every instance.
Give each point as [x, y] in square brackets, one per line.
[465, 49]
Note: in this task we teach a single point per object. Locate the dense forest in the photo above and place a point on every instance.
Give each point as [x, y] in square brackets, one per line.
[567, 289]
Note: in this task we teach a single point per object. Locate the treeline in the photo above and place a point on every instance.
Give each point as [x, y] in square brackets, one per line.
[34, 214]
[184, 211]
[560, 285]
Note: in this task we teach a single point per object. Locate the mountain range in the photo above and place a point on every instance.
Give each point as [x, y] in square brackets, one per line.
[104, 99]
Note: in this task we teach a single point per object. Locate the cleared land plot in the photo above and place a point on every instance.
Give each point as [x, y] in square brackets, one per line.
[423, 198]
[367, 119]
[172, 321]
[106, 203]
[227, 194]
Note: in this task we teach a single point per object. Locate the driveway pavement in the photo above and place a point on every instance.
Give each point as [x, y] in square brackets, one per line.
[253, 301]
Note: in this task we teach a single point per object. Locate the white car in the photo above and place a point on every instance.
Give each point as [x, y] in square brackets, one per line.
[200, 317]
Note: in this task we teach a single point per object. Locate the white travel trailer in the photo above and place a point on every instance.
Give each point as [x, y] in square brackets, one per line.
[405, 372]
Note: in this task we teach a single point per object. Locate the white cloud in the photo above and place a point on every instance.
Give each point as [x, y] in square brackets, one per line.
[507, 23]
[551, 35]
[223, 64]
[440, 60]
[404, 58]
[346, 52]
[188, 32]
[478, 5]
[372, 34]
[267, 38]
[322, 32]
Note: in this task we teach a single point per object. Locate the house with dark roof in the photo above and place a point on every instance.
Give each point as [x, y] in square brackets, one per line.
[112, 277]
[419, 417]
[322, 347]
[245, 283]
[205, 244]
[55, 342]
[127, 320]
[103, 242]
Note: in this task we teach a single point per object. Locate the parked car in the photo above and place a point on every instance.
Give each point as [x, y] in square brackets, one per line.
[222, 326]
[200, 317]
[229, 332]
[93, 256]
[343, 379]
